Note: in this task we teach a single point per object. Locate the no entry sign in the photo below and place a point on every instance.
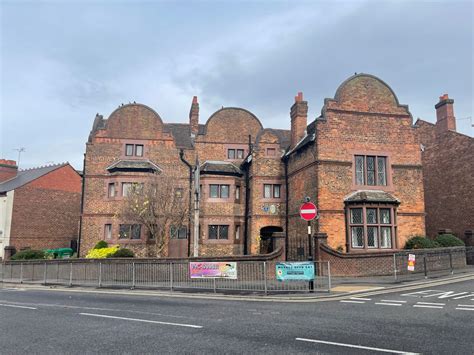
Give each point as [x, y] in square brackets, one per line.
[308, 211]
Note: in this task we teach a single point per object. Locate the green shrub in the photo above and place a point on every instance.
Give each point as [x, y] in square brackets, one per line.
[29, 254]
[101, 244]
[123, 253]
[449, 240]
[421, 242]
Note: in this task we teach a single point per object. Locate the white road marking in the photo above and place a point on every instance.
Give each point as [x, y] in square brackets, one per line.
[465, 309]
[394, 301]
[360, 299]
[14, 306]
[432, 303]
[465, 305]
[141, 320]
[355, 346]
[465, 296]
[347, 301]
[389, 304]
[424, 306]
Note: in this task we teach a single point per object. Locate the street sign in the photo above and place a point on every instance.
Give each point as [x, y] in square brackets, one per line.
[308, 211]
[411, 262]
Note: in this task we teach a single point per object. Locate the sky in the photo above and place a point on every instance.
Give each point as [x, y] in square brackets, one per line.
[61, 62]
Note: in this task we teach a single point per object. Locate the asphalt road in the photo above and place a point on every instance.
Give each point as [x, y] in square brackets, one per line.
[439, 320]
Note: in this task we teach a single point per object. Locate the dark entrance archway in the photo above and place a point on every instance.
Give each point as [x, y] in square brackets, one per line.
[267, 240]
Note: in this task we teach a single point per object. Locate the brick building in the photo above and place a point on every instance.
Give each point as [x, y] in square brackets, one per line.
[39, 207]
[448, 170]
[359, 161]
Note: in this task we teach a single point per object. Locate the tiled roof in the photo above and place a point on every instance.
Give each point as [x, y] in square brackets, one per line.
[25, 176]
[219, 168]
[371, 196]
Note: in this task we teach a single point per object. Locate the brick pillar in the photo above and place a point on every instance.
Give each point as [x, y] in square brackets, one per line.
[299, 119]
[8, 169]
[194, 117]
[9, 252]
[319, 239]
[445, 119]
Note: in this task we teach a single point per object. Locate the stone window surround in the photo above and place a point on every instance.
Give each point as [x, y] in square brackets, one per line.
[388, 167]
[365, 248]
[245, 147]
[118, 180]
[224, 180]
[272, 181]
[123, 144]
[230, 221]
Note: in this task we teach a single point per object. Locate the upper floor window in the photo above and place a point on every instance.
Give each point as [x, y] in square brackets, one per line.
[271, 152]
[235, 154]
[134, 150]
[218, 231]
[237, 192]
[128, 187]
[111, 190]
[219, 191]
[370, 170]
[130, 231]
[271, 190]
[108, 231]
[371, 227]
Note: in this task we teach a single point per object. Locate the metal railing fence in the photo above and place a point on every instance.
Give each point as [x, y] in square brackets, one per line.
[252, 276]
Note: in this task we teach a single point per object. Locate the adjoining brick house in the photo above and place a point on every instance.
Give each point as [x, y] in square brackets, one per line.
[448, 171]
[39, 207]
[360, 162]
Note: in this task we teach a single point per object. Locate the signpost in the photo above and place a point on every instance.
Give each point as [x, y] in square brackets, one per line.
[308, 212]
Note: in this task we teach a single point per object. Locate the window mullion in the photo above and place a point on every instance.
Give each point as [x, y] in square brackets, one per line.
[364, 221]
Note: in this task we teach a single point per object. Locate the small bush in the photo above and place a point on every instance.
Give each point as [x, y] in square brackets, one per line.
[421, 242]
[101, 253]
[449, 240]
[29, 254]
[123, 253]
[101, 244]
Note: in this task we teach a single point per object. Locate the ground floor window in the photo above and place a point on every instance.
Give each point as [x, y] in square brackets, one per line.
[372, 227]
[130, 231]
[218, 231]
[178, 232]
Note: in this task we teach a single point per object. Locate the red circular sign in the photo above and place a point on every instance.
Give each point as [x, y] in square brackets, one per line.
[308, 211]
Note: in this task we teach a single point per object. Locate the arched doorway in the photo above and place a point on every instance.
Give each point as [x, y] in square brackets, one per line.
[267, 240]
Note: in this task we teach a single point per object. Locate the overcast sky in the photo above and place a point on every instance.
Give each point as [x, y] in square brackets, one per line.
[64, 61]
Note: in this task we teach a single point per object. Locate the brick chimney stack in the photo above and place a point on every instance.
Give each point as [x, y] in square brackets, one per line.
[194, 117]
[299, 119]
[8, 169]
[445, 114]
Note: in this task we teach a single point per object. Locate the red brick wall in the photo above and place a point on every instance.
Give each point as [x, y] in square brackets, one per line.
[46, 211]
[448, 171]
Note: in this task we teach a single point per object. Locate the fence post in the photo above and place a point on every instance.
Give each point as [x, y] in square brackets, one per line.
[214, 284]
[45, 272]
[21, 273]
[395, 266]
[100, 273]
[451, 261]
[70, 276]
[424, 266]
[265, 277]
[133, 275]
[329, 276]
[171, 277]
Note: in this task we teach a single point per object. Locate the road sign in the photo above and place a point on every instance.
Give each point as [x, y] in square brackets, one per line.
[411, 262]
[308, 211]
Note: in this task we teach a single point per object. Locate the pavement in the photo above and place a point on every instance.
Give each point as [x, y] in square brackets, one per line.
[432, 317]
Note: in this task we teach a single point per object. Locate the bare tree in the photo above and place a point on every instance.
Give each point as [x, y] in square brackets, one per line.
[160, 204]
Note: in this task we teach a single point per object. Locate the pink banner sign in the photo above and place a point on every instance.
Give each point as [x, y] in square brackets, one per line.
[199, 270]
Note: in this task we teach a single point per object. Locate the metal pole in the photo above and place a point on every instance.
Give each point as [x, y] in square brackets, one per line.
[70, 276]
[395, 266]
[214, 284]
[133, 275]
[45, 273]
[329, 276]
[451, 262]
[424, 266]
[310, 255]
[265, 277]
[171, 277]
[21, 273]
[100, 273]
